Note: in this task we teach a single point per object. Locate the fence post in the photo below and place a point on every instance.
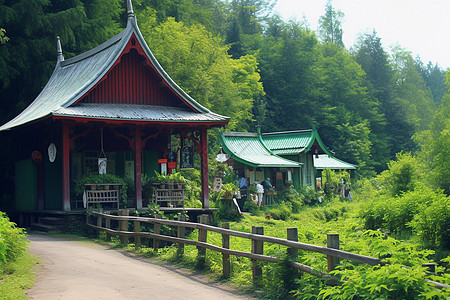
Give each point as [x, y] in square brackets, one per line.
[157, 230]
[123, 225]
[292, 235]
[99, 221]
[108, 226]
[226, 257]
[431, 267]
[257, 248]
[332, 242]
[137, 228]
[202, 237]
[181, 234]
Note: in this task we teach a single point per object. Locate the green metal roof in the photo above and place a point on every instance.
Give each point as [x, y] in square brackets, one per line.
[249, 149]
[325, 162]
[74, 77]
[294, 142]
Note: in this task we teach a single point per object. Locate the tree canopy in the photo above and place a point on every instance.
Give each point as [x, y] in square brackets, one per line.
[239, 59]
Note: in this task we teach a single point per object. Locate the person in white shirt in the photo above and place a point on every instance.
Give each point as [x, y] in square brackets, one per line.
[260, 193]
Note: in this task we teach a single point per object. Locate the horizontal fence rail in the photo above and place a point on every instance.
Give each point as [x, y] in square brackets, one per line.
[257, 238]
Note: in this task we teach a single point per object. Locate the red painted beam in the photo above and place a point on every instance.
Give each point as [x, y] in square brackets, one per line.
[66, 167]
[204, 167]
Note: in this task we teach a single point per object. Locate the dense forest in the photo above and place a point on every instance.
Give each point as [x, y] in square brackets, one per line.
[240, 59]
[382, 109]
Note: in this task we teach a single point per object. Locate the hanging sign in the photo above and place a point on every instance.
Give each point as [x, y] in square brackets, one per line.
[102, 165]
[187, 158]
[172, 165]
[217, 185]
[36, 156]
[52, 152]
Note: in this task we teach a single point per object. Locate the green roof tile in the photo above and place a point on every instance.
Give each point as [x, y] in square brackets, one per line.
[248, 149]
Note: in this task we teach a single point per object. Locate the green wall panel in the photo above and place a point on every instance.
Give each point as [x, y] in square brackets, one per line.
[53, 183]
[26, 185]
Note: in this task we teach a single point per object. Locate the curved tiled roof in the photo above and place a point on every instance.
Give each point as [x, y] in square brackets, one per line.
[136, 112]
[325, 162]
[249, 149]
[293, 142]
[74, 77]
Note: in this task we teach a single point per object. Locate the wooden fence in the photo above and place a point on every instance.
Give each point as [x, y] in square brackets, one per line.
[257, 237]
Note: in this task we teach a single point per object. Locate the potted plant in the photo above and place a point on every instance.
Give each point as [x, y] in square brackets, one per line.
[177, 179]
[228, 190]
[161, 180]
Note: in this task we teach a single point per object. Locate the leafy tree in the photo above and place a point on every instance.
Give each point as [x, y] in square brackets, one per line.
[34, 24]
[352, 111]
[411, 87]
[245, 19]
[403, 174]
[374, 60]
[210, 13]
[286, 64]
[3, 37]
[435, 145]
[200, 64]
[434, 77]
[330, 25]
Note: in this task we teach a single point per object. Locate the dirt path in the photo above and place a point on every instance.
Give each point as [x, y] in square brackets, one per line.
[84, 270]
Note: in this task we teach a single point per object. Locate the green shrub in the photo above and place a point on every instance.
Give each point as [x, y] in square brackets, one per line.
[281, 211]
[93, 178]
[13, 241]
[393, 281]
[310, 195]
[227, 211]
[432, 222]
[372, 213]
[280, 281]
[423, 211]
[402, 176]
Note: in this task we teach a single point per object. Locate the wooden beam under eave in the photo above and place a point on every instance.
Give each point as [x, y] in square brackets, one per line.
[204, 167]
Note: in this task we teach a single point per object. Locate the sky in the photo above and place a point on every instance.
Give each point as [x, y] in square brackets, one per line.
[419, 26]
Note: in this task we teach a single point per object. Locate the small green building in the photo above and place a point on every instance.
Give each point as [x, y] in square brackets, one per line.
[298, 156]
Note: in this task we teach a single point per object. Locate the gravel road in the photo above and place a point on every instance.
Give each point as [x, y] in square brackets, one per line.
[84, 270]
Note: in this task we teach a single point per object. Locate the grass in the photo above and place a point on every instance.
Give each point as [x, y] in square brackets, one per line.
[17, 276]
[313, 223]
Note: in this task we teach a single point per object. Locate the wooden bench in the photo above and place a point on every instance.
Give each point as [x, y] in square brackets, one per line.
[170, 197]
[102, 193]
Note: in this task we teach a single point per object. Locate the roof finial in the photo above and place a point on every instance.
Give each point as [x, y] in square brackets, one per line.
[130, 11]
[59, 54]
[258, 129]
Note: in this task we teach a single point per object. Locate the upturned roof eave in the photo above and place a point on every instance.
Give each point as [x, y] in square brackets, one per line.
[30, 114]
[175, 87]
[288, 164]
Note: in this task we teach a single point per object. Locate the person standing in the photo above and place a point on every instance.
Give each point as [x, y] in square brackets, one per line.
[260, 193]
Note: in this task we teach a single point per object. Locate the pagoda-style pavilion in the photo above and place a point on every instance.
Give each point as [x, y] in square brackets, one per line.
[114, 100]
[251, 158]
[305, 146]
[296, 156]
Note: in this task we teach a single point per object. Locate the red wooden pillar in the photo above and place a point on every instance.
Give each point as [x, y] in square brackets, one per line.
[138, 166]
[66, 167]
[204, 167]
